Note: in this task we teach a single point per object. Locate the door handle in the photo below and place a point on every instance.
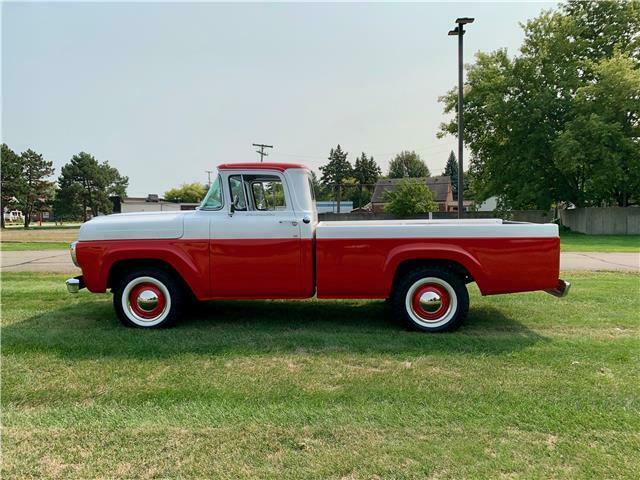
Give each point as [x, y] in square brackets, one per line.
[292, 222]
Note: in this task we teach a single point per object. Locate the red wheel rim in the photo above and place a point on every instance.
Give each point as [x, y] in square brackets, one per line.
[140, 294]
[426, 289]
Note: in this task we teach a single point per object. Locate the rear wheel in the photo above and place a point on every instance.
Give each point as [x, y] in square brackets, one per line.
[148, 298]
[431, 299]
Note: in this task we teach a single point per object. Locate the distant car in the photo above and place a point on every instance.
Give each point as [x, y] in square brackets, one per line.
[257, 236]
[13, 216]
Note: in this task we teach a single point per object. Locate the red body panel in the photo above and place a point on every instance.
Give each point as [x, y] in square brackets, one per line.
[344, 268]
[364, 268]
[232, 269]
[268, 268]
[190, 258]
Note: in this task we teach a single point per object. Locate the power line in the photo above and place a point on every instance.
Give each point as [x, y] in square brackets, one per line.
[261, 151]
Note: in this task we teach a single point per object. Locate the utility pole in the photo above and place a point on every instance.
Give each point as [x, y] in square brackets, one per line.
[459, 31]
[209, 172]
[261, 151]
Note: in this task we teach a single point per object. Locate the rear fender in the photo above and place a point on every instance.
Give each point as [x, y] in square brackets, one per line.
[431, 251]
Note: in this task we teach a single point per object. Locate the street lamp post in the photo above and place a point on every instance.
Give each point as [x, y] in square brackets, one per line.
[459, 31]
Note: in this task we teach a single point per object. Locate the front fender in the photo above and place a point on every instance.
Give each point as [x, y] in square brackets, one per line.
[189, 258]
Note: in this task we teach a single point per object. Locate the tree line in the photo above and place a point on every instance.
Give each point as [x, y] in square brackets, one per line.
[341, 180]
[558, 123]
[83, 187]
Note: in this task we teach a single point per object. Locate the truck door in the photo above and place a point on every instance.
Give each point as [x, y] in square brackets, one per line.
[255, 247]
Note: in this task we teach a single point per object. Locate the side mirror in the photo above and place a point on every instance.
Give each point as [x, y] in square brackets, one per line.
[232, 209]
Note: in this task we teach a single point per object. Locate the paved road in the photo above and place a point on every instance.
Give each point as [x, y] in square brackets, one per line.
[59, 261]
[38, 261]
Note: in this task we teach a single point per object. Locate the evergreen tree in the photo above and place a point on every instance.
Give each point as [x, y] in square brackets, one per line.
[85, 183]
[451, 170]
[11, 179]
[335, 172]
[366, 173]
[35, 189]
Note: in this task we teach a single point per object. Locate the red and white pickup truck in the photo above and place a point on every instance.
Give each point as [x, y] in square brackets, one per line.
[256, 236]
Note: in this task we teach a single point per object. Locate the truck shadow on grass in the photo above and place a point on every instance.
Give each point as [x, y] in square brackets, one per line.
[89, 329]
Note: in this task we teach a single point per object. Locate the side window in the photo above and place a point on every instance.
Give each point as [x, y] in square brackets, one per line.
[236, 191]
[267, 192]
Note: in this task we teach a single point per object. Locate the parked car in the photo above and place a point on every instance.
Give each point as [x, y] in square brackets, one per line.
[256, 236]
[13, 216]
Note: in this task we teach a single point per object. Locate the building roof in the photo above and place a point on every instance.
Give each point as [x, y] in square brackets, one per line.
[439, 186]
[260, 166]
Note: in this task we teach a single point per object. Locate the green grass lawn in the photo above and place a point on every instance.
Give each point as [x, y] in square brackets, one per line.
[578, 242]
[531, 386]
[22, 246]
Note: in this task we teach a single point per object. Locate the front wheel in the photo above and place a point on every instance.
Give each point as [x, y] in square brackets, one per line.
[148, 298]
[431, 299]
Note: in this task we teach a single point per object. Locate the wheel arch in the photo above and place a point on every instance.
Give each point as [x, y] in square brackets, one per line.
[121, 267]
[455, 259]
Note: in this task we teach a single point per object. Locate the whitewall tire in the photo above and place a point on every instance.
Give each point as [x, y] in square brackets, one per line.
[431, 299]
[149, 298]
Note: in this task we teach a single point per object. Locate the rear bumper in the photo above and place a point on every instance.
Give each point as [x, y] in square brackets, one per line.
[561, 290]
[74, 284]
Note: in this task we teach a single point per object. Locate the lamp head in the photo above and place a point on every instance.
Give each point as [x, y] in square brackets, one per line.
[464, 20]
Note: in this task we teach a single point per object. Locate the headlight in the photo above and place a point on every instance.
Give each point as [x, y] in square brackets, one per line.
[72, 251]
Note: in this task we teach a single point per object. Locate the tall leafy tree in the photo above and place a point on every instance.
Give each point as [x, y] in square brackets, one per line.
[188, 193]
[410, 197]
[408, 164]
[335, 172]
[85, 183]
[36, 189]
[11, 178]
[559, 122]
[366, 173]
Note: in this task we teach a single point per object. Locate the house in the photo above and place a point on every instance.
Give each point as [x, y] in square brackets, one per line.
[440, 187]
[150, 203]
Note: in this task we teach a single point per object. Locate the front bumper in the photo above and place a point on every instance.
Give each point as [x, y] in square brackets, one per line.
[561, 290]
[74, 284]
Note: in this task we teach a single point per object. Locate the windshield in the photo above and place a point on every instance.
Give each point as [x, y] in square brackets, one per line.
[213, 200]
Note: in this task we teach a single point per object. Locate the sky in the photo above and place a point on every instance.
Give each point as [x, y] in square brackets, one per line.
[166, 91]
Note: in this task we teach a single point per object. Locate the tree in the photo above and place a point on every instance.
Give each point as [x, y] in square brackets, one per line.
[335, 172]
[408, 164]
[11, 179]
[560, 121]
[35, 170]
[86, 183]
[187, 192]
[366, 173]
[410, 197]
[451, 170]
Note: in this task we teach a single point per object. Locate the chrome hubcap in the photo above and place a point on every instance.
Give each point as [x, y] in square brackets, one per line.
[147, 300]
[430, 302]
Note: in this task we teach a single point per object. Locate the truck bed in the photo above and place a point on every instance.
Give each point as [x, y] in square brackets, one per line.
[358, 259]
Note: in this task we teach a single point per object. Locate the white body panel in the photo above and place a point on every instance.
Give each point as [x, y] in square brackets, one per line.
[134, 226]
[254, 224]
[472, 228]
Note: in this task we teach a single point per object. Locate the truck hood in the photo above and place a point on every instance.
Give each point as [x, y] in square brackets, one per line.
[134, 226]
